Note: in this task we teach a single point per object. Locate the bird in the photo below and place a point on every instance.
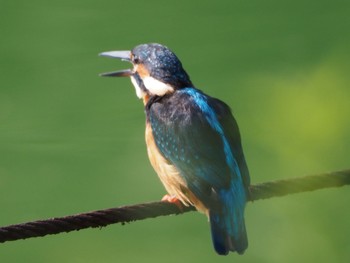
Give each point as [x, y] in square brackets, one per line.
[193, 142]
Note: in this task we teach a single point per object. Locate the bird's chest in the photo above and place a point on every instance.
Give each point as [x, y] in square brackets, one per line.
[167, 172]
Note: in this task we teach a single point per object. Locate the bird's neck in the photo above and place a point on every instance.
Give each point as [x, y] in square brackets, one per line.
[150, 99]
[145, 99]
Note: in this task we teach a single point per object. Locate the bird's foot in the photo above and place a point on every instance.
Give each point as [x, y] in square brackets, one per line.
[173, 199]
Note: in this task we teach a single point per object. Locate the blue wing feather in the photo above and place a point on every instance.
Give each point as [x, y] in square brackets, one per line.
[199, 136]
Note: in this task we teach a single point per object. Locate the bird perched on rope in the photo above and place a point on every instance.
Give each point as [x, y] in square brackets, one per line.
[193, 142]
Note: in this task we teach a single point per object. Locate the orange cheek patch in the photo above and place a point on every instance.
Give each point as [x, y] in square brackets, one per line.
[142, 71]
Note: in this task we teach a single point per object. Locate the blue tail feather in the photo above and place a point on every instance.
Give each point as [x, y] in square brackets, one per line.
[227, 223]
[223, 240]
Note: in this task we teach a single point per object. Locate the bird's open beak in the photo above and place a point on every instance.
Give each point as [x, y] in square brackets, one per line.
[123, 55]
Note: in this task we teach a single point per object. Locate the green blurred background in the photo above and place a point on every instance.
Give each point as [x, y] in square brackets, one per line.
[72, 142]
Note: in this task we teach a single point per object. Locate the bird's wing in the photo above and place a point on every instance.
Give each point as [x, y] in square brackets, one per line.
[188, 132]
[232, 134]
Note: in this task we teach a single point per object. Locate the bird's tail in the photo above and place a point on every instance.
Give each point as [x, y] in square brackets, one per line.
[227, 223]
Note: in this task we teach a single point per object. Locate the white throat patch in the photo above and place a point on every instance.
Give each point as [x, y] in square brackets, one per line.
[156, 87]
[139, 92]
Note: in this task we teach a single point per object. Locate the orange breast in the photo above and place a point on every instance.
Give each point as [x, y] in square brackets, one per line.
[169, 175]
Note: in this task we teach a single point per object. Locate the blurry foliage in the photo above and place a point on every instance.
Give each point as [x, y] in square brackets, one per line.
[72, 142]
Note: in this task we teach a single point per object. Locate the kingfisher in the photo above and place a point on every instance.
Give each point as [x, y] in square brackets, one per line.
[193, 142]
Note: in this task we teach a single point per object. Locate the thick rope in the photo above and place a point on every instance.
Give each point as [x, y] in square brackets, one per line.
[132, 213]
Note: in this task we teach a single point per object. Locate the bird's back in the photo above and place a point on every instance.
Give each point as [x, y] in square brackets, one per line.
[198, 136]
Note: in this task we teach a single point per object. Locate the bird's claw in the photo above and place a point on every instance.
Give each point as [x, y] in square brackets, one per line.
[174, 200]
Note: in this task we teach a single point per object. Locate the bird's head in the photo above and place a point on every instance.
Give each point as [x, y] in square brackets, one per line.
[156, 70]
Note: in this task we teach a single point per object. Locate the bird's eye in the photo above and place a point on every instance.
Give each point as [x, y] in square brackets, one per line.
[136, 60]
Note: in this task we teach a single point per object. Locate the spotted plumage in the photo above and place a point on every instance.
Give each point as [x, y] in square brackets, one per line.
[193, 143]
